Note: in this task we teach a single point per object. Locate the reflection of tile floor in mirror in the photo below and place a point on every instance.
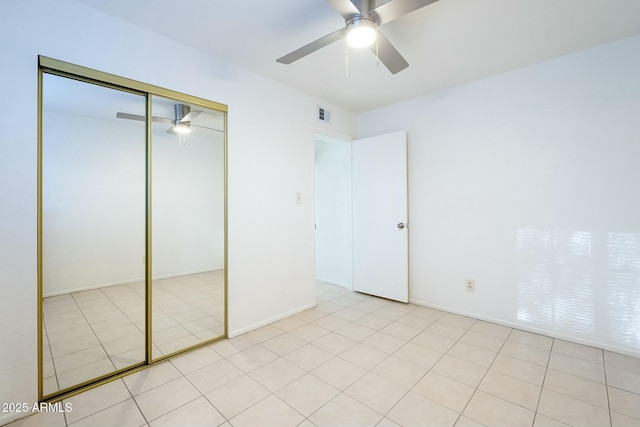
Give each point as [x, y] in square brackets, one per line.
[356, 360]
[91, 333]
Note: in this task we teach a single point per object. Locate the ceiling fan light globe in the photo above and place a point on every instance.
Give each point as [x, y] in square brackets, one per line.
[182, 128]
[361, 33]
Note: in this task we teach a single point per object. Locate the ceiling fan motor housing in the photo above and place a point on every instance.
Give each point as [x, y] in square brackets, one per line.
[364, 6]
[181, 111]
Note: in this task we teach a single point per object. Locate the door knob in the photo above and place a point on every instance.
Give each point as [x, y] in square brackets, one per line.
[401, 225]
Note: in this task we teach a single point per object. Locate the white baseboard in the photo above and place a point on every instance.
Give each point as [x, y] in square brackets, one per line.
[527, 328]
[265, 322]
[92, 287]
[335, 283]
[7, 418]
[123, 282]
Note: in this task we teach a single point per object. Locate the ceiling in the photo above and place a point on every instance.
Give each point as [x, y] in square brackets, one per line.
[447, 43]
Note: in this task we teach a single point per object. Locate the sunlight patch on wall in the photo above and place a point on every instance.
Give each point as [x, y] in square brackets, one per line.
[623, 288]
[557, 289]
[582, 282]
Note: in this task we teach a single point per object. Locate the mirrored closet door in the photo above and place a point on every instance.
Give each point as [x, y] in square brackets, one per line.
[132, 235]
[188, 225]
[93, 232]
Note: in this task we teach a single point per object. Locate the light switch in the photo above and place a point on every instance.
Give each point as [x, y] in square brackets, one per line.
[298, 198]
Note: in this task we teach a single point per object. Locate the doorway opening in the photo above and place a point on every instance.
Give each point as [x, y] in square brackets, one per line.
[333, 213]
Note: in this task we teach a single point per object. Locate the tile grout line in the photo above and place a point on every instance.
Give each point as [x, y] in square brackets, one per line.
[544, 379]
[92, 330]
[482, 379]
[194, 386]
[606, 385]
[342, 392]
[425, 374]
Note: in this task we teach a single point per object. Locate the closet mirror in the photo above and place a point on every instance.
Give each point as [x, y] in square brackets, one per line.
[188, 225]
[93, 232]
[131, 225]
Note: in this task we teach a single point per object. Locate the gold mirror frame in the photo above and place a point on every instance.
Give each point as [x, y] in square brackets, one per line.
[65, 69]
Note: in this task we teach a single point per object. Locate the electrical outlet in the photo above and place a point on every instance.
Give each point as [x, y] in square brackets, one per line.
[470, 285]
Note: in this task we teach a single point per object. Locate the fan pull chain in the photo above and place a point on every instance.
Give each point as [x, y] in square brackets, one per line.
[377, 51]
[346, 60]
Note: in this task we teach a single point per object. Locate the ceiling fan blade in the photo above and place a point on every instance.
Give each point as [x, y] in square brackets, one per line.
[190, 116]
[208, 128]
[312, 47]
[172, 131]
[139, 118]
[346, 8]
[394, 9]
[163, 120]
[128, 116]
[388, 55]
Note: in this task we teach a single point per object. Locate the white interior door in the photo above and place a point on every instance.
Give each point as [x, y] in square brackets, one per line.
[380, 234]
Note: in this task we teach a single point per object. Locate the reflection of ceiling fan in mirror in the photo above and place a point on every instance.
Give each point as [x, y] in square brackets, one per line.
[181, 124]
[362, 19]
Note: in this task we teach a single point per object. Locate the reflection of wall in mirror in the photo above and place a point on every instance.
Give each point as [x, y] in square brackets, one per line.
[188, 203]
[94, 204]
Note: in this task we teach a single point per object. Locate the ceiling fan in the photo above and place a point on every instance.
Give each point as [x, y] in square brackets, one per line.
[362, 19]
[181, 123]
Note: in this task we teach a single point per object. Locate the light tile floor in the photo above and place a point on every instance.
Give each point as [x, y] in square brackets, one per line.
[90, 333]
[357, 360]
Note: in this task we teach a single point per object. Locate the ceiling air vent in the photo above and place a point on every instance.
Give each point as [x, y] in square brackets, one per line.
[324, 115]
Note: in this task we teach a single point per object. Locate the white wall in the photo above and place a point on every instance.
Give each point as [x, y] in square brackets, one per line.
[271, 156]
[188, 203]
[527, 182]
[333, 211]
[93, 203]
